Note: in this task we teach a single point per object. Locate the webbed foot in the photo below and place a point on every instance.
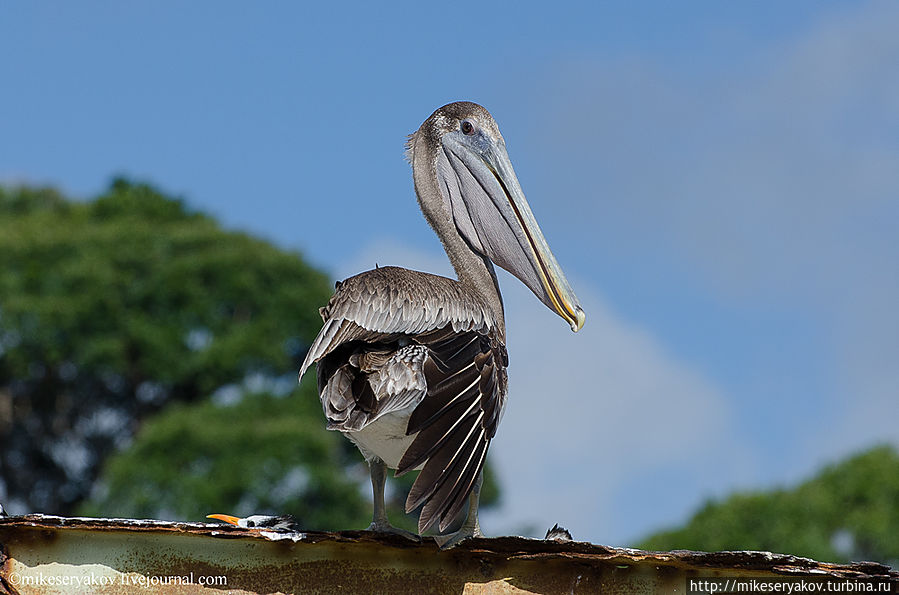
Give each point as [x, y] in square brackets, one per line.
[385, 527]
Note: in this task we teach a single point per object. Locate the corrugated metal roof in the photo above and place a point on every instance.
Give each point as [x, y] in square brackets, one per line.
[48, 554]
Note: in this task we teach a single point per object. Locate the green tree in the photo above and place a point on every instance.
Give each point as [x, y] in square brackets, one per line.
[849, 511]
[141, 343]
[113, 308]
[245, 453]
[250, 453]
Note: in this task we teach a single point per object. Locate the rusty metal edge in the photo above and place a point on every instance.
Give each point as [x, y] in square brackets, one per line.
[510, 547]
[5, 587]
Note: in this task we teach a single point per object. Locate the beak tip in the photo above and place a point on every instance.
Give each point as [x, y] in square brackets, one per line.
[578, 322]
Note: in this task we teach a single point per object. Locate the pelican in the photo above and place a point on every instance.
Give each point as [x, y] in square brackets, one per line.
[412, 366]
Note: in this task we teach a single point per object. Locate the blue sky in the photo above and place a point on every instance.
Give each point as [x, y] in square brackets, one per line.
[720, 182]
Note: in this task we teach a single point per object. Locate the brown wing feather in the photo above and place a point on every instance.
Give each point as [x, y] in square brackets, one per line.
[466, 379]
[392, 302]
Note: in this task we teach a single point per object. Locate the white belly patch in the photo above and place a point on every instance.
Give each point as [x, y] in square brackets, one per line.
[385, 438]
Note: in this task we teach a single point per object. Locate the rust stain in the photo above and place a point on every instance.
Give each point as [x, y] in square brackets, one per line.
[255, 561]
[5, 568]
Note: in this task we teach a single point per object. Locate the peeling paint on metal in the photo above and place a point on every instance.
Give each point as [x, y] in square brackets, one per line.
[125, 552]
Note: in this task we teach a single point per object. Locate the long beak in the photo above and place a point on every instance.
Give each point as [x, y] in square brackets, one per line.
[563, 300]
[498, 214]
[224, 517]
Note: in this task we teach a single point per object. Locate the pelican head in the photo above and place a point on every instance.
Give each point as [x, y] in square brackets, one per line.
[482, 201]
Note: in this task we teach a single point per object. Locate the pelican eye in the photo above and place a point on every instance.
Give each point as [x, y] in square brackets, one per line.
[467, 128]
[251, 523]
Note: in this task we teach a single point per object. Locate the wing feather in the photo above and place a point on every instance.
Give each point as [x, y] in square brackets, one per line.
[454, 424]
[449, 499]
[379, 304]
[392, 338]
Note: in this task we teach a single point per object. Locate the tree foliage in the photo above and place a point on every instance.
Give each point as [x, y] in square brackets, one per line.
[849, 511]
[113, 308]
[263, 454]
[142, 344]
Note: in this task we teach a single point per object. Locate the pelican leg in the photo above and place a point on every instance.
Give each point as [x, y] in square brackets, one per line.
[379, 522]
[470, 528]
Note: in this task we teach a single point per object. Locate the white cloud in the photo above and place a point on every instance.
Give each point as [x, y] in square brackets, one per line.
[381, 251]
[596, 414]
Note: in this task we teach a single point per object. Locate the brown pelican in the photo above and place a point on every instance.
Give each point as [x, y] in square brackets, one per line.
[412, 366]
